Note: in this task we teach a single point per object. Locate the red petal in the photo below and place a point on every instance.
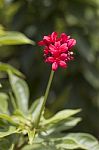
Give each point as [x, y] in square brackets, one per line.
[63, 56]
[62, 64]
[50, 59]
[64, 37]
[71, 43]
[57, 44]
[47, 38]
[54, 36]
[54, 66]
[63, 47]
[46, 51]
[51, 47]
[41, 43]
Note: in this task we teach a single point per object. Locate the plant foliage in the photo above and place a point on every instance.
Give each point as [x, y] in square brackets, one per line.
[19, 121]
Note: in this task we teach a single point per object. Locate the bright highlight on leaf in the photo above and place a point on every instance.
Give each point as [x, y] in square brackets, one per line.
[13, 38]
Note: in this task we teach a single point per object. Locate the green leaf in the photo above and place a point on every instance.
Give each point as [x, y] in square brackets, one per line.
[6, 68]
[8, 131]
[21, 92]
[64, 114]
[5, 144]
[13, 101]
[8, 118]
[79, 140]
[3, 103]
[39, 147]
[14, 38]
[12, 147]
[62, 125]
[20, 118]
[68, 144]
[36, 107]
[8, 142]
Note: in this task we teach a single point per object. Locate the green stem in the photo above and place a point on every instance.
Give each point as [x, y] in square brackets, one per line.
[45, 96]
[48, 88]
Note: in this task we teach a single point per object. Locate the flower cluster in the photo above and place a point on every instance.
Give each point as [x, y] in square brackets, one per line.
[57, 50]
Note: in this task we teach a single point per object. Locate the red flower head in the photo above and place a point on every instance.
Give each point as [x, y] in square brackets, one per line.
[57, 50]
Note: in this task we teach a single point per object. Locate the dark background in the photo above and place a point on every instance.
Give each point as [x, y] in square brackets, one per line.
[78, 85]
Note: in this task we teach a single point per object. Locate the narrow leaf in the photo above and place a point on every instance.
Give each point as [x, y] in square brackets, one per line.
[64, 114]
[8, 131]
[8, 118]
[62, 125]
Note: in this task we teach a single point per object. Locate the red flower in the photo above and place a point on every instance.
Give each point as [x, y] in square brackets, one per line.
[57, 50]
[48, 39]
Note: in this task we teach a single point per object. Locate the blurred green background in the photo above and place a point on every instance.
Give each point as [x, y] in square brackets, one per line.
[78, 85]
